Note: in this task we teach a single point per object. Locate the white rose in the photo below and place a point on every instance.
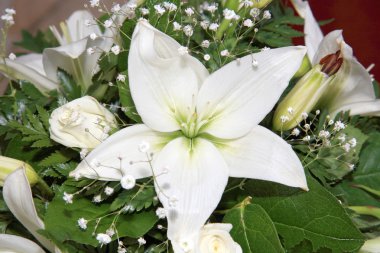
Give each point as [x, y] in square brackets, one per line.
[216, 238]
[82, 123]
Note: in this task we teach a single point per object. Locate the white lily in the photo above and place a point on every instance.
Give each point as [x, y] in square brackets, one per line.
[18, 197]
[18, 244]
[371, 246]
[352, 88]
[71, 55]
[201, 128]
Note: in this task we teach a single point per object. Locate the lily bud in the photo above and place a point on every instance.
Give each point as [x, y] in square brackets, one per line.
[260, 3]
[8, 165]
[311, 90]
[304, 68]
[302, 98]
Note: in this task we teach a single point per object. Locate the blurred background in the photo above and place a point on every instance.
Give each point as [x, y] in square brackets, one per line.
[359, 19]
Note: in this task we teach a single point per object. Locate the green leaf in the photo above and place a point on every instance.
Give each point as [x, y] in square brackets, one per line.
[61, 221]
[139, 199]
[316, 216]
[253, 229]
[71, 89]
[56, 158]
[38, 42]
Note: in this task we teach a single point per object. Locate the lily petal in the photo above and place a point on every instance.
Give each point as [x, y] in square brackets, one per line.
[330, 44]
[368, 108]
[313, 33]
[18, 197]
[104, 162]
[164, 84]
[27, 68]
[263, 155]
[78, 29]
[191, 188]
[240, 92]
[18, 244]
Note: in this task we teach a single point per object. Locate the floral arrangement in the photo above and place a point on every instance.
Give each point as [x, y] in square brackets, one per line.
[170, 126]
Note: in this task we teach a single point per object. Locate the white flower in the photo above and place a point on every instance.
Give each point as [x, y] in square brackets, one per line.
[144, 11]
[188, 30]
[121, 77]
[205, 44]
[324, 134]
[12, 56]
[347, 147]
[10, 11]
[176, 26]
[159, 10]
[144, 147]
[205, 24]
[352, 142]
[267, 15]
[248, 23]
[224, 53]
[216, 238]
[94, 3]
[108, 23]
[183, 50]
[255, 12]
[206, 57]
[229, 14]
[247, 3]
[108, 191]
[80, 123]
[110, 232]
[170, 6]
[212, 8]
[189, 11]
[161, 213]
[115, 8]
[128, 182]
[103, 238]
[90, 50]
[175, 93]
[68, 198]
[213, 26]
[93, 36]
[97, 199]
[352, 89]
[115, 49]
[141, 241]
[82, 223]
[295, 132]
[339, 125]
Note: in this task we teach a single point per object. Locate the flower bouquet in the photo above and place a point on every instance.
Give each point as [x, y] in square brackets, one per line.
[188, 127]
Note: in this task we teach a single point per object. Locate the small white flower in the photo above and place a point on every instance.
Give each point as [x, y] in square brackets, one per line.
[304, 115]
[103, 238]
[351, 166]
[110, 232]
[116, 8]
[128, 208]
[295, 132]
[342, 138]
[317, 112]
[108, 190]
[93, 36]
[306, 138]
[121, 250]
[10, 11]
[267, 15]
[176, 26]
[121, 77]
[248, 23]
[213, 27]
[68, 198]
[331, 122]
[108, 23]
[284, 118]
[144, 147]
[265, 49]
[94, 3]
[347, 147]
[183, 50]
[189, 12]
[324, 134]
[255, 12]
[225, 53]
[307, 126]
[128, 182]
[161, 213]
[353, 142]
[247, 3]
[206, 57]
[159, 10]
[90, 51]
[290, 110]
[12, 56]
[255, 63]
[144, 11]
[170, 6]
[339, 125]
[212, 8]
[141, 241]
[82, 223]
[205, 44]
[87, 22]
[159, 226]
[97, 199]
[188, 30]
[115, 49]
[229, 14]
[205, 24]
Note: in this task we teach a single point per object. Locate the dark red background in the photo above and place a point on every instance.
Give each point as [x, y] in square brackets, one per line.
[360, 22]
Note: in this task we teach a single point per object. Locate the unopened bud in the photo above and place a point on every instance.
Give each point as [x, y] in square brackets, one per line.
[304, 68]
[8, 165]
[302, 98]
[260, 3]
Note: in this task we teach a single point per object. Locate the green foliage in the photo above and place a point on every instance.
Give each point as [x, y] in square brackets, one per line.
[38, 42]
[315, 216]
[138, 199]
[61, 221]
[253, 229]
[70, 89]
